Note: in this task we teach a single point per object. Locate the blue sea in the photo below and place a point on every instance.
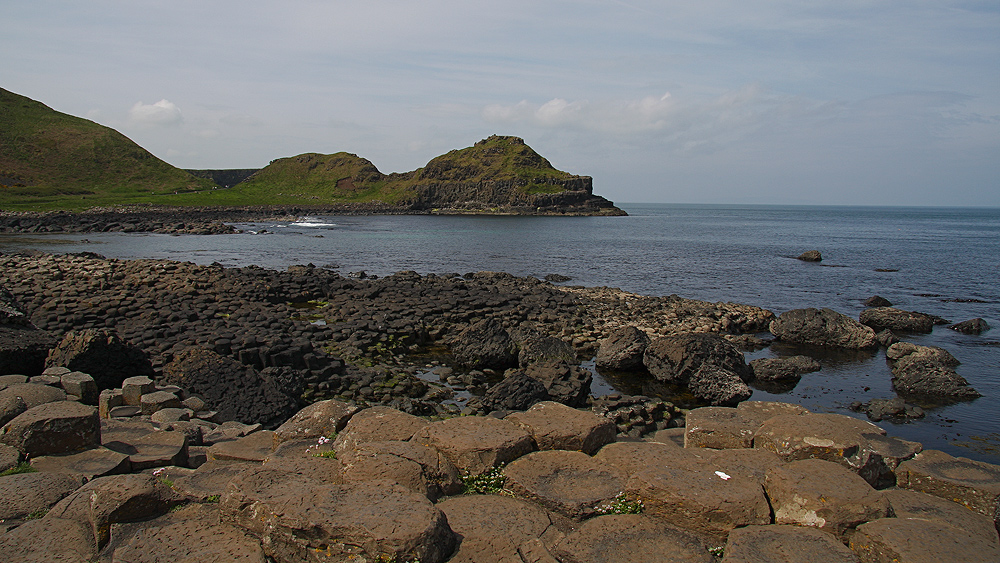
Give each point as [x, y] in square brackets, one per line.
[941, 261]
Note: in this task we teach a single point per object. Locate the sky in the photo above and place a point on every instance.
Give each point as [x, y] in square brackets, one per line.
[820, 102]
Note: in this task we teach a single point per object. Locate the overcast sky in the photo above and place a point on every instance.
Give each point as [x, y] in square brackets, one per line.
[703, 101]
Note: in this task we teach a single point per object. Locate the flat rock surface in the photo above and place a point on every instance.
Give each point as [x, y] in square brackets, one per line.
[210, 479]
[717, 427]
[53, 428]
[785, 544]
[33, 394]
[756, 412]
[632, 457]
[570, 483]
[421, 469]
[377, 424]
[975, 484]
[254, 447]
[913, 504]
[89, 464]
[322, 418]
[555, 426]
[493, 527]
[47, 540]
[475, 444]
[32, 493]
[158, 449]
[914, 540]
[822, 494]
[696, 495]
[625, 538]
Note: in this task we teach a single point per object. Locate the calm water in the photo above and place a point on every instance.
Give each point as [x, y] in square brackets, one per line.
[942, 261]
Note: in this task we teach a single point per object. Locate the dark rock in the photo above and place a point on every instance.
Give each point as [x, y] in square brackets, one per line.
[810, 256]
[822, 327]
[718, 386]
[973, 484]
[516, 392]
[11, 313]
[783, 368]
[920, 371]
[886, 338]
[566, 384]
[623, 349]
[897, 320]
[23, 349]
[102, 354]
[485, 344]
[971, 326]
[882, 409]
[877, 301]
[545, 349]
[81, 385]
[557, 278]
[677, 358]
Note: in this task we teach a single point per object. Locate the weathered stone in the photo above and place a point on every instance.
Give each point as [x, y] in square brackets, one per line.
[82, 385]
[756, 412]
[753, 462]
[124, 411]
[623, 349]
[419, 468]
[822, 327]
[810, 256]
[253, 447]
[717, 427]
[565, 383]
[696, 495]
[168, 415]
[32, 394]
[718, 386]
[157, 449]
[974, 484]
[299, 519]
[877, 301]
[620, 538]
[10, 407]
[32, 494]
[822, 494]
[107, 400]
[896, 320]
[555, 426]
[921, 371]
[133, 388]
[632, 457]
[230, 430]
[101, 353]
[322, 418]
[677, 358]
[570, 483]
[9, 457]
[45, 379]
[971, 326]
[475, 444]
[191, 534]
[544, 349]
[784, 544]
[493, 527]
[517, 391]
[209, 479]
[914, 540]
[914, 504]
[787, 368]
[12, 379]
[53, 428]
[485, 344]
[158, 400]
[90, 464]
[47, 540]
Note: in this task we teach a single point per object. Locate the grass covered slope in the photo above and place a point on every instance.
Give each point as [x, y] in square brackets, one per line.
[52, 160]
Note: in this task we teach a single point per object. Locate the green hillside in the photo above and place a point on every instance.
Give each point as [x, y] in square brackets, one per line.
[52, 160]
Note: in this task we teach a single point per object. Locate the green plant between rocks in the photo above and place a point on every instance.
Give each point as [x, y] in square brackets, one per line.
[621, 505]
[23, 467]
[489, 482]
[717, 551]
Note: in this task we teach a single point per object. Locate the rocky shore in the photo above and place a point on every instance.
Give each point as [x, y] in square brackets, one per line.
[176, 411]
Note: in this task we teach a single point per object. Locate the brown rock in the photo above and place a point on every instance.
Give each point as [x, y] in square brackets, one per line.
[101, 353]
[570, 483]
[419, 468]
[810, 256]
[53, 428]
[914, 540]
[822, 327]
[89, 464]
[974, 484]
[322, 418]
[913, 504]
[47, 540]
[751, 462]
[632, 457]
[9, 457]
[33, 394]
[555, 426]
[159, 449]
[25, 494]
[622, 350]
[133, 388]
[254, 447]
[756, 412]
[208, 480]
[157, 400]
[717, 427]
[378, 424]
[621, 538]
[698, 496]
[492, 527]
[896, 320]
[784, 544]
[822, 494]
[475, 444]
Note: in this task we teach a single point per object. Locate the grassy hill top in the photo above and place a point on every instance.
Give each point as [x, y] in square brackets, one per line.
[53, 160]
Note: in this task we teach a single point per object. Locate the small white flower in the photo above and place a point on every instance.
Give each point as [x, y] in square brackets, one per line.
[723, 476]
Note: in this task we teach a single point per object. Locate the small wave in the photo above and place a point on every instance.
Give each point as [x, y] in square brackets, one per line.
[312, 222]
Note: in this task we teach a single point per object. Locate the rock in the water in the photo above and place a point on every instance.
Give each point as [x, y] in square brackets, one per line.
[893, 409]
[921, 371]
[565, 383]
[676, 358]
[974, 484]
[102, 354]
[545, 349]
[822, 327]
[53, 428]
[896, 320]
[516, 392]
[718, 386]
[877, 301]
[810, 256]
[783, 368]
[623, 349]
[971, 326]
[485, 344]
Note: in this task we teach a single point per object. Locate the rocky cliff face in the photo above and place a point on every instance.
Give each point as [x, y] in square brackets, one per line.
[575, 195]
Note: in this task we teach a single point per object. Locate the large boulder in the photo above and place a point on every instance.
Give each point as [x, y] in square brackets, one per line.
[822, 327]
[718, 386]
[53, 428]
[971, 326]
[787, 368]
[538, 348]
[485, 344]
[555, 426]
[784, 544]
[236, 391]
[564, 383]
[475, 444]
[675, 359]
[517, 391]
[896, 320]
[322, 418]
[623, 349]
[927, 372]
[102, 354]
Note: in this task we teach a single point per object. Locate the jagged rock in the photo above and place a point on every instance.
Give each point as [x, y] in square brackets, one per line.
[493, 527]
[570, 483]
[555, 426]
[971, 326]
[896, 320]
[822, 327]
[886, 338]
[89, 464]
[810, 256]
[236, 391]
[295, 516]
[564, 383]
[11, 313]
[921, 371]
[623, 349]
[31, 494]
[877, 301]
[718, 386]
[53, 428]
[476, 444]
[515, 392]
[102, 354]
[635, 537]
[784, 544]
[696, 495]
[544, 349]
[677, 358]
[914, 540]
[974, 484]
[783, 368]
[822, 494]
[485, 344]
[322, 418]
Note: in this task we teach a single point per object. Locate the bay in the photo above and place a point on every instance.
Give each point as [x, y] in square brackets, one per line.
[940, 261]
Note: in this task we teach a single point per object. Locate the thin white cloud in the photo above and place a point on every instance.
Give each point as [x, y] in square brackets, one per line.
[161, 114]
